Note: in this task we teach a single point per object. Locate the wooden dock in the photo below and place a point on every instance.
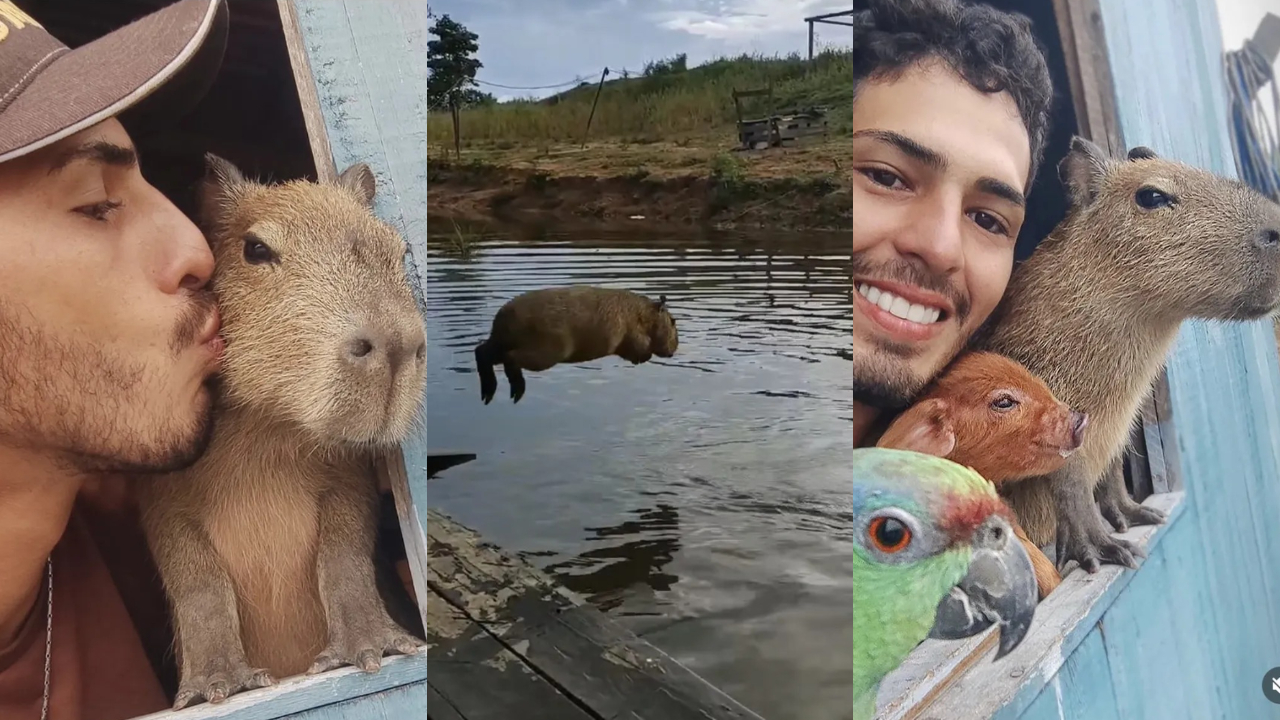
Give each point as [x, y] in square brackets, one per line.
[504, 641]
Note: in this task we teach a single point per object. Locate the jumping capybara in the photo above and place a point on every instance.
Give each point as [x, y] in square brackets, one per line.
[989, 413]
[266, 544]
[1146, 244]
[574, 324]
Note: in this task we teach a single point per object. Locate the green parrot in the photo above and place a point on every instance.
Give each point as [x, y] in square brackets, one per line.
[932, 557]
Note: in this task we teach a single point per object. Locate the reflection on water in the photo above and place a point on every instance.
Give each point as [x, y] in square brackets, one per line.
[702, 499]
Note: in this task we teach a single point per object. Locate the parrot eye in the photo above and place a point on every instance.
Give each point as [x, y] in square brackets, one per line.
[890, 535]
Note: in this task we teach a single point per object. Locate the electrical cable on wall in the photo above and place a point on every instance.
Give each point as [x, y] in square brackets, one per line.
[1255, 137]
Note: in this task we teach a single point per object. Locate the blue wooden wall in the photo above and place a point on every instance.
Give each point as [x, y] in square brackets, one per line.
[1193, 632]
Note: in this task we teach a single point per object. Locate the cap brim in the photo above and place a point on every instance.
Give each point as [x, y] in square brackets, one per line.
[182, 43]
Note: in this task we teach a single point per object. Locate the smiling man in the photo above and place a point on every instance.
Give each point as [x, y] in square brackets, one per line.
[108, 343]
[950, 114]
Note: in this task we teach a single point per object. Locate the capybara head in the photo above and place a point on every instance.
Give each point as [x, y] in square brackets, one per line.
[1185, 241]
[990, 413]
[322, 330]
[662, 334]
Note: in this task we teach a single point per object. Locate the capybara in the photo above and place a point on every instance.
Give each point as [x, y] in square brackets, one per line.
[1146, 244]
[989, 413]
[542, 328]
[266, 544]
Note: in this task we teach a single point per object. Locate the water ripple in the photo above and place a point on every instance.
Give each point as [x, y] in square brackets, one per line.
[702, 499]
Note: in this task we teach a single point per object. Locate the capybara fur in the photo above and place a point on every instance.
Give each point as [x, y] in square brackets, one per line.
[266, 545]
[546, 327]
[1146, 244]
[989, 413]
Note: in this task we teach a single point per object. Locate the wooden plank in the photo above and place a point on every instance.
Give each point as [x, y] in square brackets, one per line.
[1171, 481]
[473, 676]
[1089, 72]
[299, 694]
[321, 153]
[1137, 459]
[1190, 602]
[1138, 635]
[1082, 690]
[603, 666]
[1006, 688]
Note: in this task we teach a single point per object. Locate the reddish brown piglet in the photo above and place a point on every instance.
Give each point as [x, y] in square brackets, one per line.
[991, 414]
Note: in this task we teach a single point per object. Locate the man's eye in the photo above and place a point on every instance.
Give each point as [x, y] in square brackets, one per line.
[882, 177]
[100, 211]
[988, 222]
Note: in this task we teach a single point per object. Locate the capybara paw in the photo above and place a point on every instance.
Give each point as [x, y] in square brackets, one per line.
[365, 650]
[1123, 513]
[218, 679]
[1091, 547]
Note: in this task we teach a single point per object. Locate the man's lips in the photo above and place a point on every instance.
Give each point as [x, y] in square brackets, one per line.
[908, 313]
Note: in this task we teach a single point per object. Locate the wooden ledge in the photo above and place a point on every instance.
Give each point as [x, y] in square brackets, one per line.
[306, 692]
[957, 678]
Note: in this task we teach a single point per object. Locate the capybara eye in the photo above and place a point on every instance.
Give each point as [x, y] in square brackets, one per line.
[1150, 198]
[257, 252]
[1004, 403]
[889, 534]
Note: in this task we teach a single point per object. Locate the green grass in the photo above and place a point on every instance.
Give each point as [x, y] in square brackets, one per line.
[662, 106]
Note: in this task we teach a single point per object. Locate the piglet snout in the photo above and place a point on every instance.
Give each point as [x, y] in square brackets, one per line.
[1079, 421]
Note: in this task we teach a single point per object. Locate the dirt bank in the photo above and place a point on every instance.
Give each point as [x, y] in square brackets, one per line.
[658, 183]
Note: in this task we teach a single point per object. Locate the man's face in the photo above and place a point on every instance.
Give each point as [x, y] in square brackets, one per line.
[937, 205]
[106, 328]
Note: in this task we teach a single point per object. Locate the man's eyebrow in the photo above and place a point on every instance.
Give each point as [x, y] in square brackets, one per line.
[907, 146]
[1002, 189]
[95, 151]
[938, 162]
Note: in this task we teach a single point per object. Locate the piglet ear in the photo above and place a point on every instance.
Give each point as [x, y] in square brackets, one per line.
[924, 428]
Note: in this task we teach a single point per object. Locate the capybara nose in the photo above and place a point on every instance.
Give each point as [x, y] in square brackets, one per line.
[371, 347]
[1079, 421]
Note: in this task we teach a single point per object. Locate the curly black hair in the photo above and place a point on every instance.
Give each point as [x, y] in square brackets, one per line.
[993, 50]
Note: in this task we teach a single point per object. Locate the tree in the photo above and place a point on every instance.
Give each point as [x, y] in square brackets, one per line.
[452, 63]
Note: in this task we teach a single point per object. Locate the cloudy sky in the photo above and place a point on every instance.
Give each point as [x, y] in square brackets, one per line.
[544, 42]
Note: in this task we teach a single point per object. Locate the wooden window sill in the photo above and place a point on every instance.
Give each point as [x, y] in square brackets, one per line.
[300, 694]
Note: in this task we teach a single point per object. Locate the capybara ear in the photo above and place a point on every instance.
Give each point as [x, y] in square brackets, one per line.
[925, 428]
[359, 179]
[1142, 152]
[1083, 170]
[219, 191]
[661, 303]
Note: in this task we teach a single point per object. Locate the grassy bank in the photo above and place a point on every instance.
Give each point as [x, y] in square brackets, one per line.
[661, 146]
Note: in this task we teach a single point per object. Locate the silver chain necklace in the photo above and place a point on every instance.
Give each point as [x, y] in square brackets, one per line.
[48, 639]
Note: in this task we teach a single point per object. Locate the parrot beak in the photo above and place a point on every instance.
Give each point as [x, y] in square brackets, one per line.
[999, 589]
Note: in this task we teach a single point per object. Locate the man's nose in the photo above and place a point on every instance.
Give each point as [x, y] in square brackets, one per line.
[933, 235]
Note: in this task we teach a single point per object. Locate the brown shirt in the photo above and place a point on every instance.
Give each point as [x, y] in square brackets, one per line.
[99, 668]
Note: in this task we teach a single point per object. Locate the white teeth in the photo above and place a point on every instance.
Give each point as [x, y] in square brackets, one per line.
[899, 307]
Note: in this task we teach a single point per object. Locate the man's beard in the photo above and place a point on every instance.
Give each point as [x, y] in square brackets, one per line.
[179, 452]
[884, 382]
[86, 407]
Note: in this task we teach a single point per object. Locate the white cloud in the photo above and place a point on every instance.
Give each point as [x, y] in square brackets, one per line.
[737, 20]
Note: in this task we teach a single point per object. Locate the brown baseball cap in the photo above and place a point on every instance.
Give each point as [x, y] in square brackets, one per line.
[49, 91]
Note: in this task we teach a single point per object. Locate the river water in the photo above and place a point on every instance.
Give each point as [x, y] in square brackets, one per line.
[702, 500]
